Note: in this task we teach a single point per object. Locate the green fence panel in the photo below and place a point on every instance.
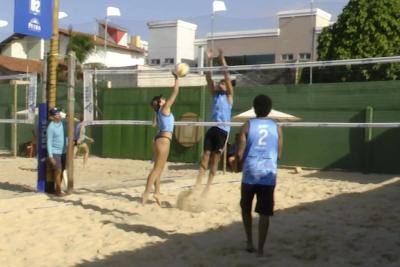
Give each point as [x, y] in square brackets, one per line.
[136, 141]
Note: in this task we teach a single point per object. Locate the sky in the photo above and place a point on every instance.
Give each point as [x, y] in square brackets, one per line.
[240, 14]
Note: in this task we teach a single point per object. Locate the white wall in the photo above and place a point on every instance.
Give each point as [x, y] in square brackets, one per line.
[171, 39]
[162, 44]
[185, 42]
[115, 58]
[26, 48]
[63, 44]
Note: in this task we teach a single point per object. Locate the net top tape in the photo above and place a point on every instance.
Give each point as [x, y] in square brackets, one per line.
[393, 59]
[15, 77]
[238, 124]
[11, 121]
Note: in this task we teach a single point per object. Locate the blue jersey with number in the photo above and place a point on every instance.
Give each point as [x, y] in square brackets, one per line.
[165, 123]
[261, 153]
[221, 110]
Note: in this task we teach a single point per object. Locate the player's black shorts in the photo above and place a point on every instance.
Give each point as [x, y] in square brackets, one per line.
[265, 198]
[215, 139]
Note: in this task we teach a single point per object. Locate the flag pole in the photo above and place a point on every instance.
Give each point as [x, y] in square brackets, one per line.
[212, 37]
[105, 41]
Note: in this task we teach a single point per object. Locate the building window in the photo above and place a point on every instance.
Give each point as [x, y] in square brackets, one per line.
[304, 56]
[251, 59]
[287, 57]
[155, 61]
[169, 61]
[260, 59]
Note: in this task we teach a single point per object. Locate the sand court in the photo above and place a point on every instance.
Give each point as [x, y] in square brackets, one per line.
[322, 219]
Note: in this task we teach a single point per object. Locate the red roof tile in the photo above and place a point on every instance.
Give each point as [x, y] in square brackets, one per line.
[21, 65]
[100, 41]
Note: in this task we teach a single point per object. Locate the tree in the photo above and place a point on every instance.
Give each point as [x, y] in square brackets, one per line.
[53, 60]
[365, 28]
[81, 44]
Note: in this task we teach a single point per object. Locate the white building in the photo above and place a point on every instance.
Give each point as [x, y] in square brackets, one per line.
[171, 42]
[294, 40]
[113, 54]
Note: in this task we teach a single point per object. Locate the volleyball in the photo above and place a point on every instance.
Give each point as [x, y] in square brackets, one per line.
[181, 69]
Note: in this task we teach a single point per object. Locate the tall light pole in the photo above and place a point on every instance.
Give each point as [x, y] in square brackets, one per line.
[111, 12]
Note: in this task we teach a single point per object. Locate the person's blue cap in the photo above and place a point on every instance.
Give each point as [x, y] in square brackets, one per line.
[54, 111]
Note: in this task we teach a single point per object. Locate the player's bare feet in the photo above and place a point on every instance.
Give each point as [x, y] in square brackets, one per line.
[250, 248]
[157, 198]
[145, 197]
[60, 194]
[205, 191]
[260, 253]
[196, 187]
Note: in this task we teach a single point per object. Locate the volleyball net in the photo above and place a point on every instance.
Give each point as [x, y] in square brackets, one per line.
[305, 90]
[18, 98]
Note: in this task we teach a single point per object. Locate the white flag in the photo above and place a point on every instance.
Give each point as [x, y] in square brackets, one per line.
[219, 6]
[3, 23]
[113, 11]
[62, 15]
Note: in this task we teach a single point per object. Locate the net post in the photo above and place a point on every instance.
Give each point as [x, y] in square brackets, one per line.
[14, 125]
[88, 107]
[42, 184]
[70, 121]
[369, 112]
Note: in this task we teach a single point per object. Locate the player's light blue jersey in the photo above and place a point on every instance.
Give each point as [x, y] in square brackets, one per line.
[221, 110]
[261, 153]
[165, 123]
[56, 138]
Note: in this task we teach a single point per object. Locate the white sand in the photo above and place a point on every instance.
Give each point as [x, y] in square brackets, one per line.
[322, 219]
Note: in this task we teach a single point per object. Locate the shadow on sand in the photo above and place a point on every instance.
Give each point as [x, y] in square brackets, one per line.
[358, 229]
[16, 188]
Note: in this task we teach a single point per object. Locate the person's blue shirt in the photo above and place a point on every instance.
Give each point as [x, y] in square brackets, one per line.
[261, 152]
[221, 110]
[56, 138]
[77, 132]
[165, 123]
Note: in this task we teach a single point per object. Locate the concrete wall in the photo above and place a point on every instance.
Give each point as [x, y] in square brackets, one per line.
[115, 57]
[294, 36]
[26, 48]
[171, 39]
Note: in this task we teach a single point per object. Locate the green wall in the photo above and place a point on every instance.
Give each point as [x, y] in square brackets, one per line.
[25, 131]
[336, 148]
[136, 141]
[325, 148]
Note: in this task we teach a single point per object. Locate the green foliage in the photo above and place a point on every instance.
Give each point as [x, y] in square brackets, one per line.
[365, 28]
[82, 45]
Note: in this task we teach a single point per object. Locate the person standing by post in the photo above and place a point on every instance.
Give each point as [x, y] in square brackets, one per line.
[57, 147]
